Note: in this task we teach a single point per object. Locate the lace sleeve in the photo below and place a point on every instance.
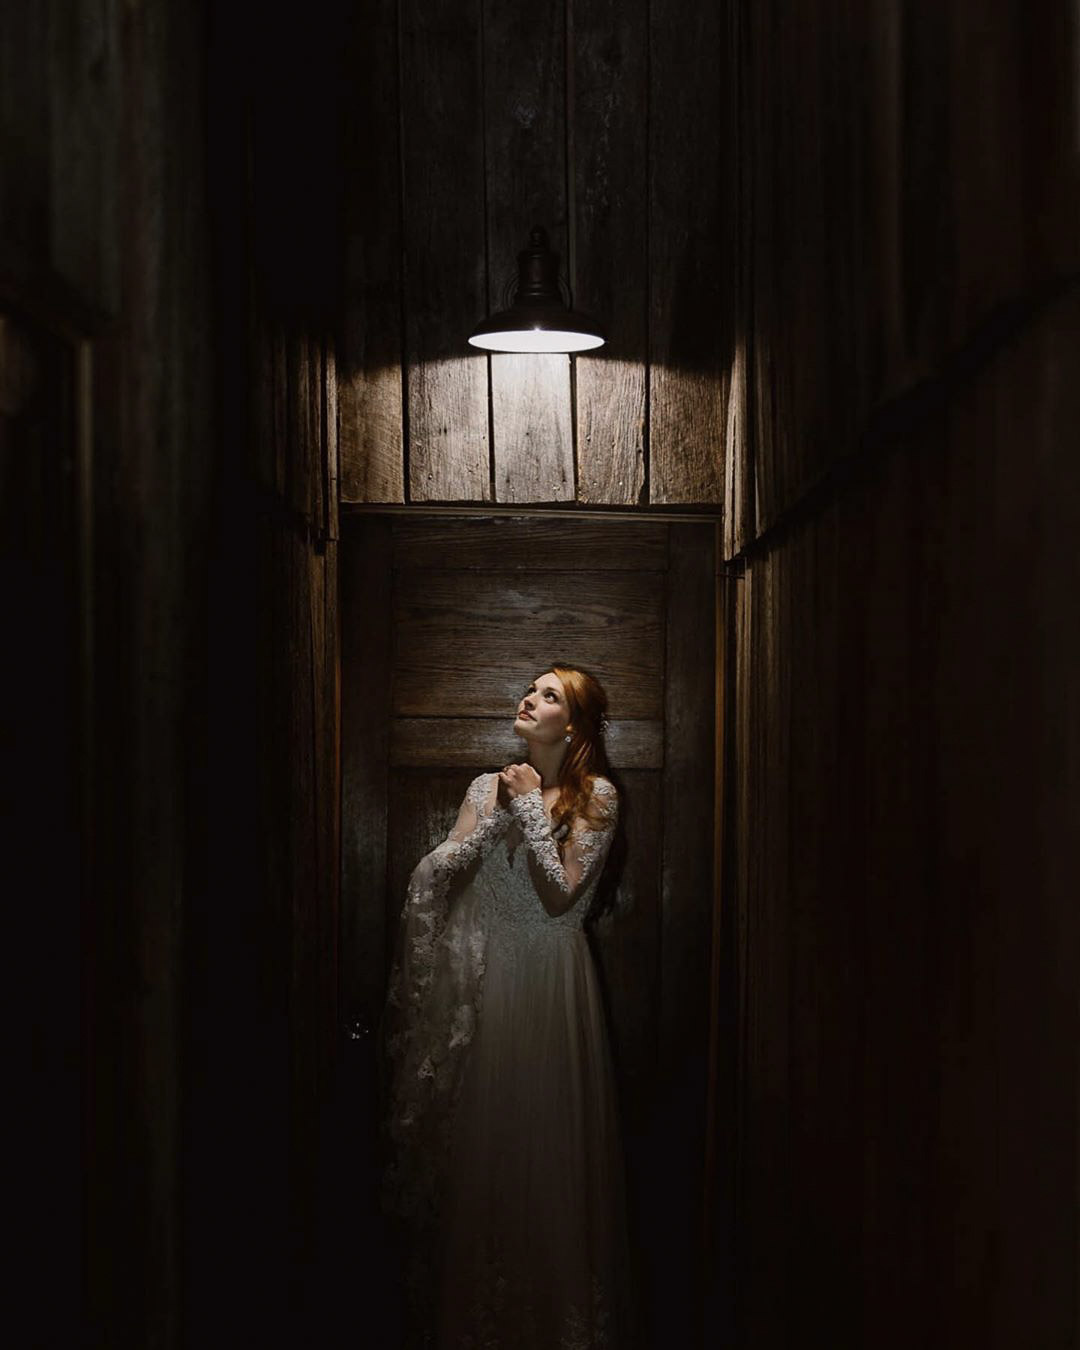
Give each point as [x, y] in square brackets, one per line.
[480, 822]
[432, 1002]
[585, 849]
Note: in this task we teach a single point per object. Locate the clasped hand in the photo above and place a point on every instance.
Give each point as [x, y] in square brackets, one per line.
[516, 780]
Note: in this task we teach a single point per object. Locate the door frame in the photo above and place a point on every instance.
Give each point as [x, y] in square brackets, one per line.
[721, 1120]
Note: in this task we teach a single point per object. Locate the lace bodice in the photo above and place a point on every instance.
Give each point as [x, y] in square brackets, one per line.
[525, 845]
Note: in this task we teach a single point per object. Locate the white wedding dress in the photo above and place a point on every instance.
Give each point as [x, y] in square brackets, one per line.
[501, 1107]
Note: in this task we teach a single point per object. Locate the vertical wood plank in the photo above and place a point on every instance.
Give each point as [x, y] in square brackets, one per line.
[1038, 943]
[372, 415]
[525, 163]
[765, 1285]
[739, 477]
[691, 253]
[897, 911]
[365, 741]
[331, 521]
[719, 1232]
[608, 173]
[277, 341]
[85, 107]
[25, 97]
[626, 945]
[686, 916]
[743, 782]
[530, 417]
[445, 294]
[987, 138]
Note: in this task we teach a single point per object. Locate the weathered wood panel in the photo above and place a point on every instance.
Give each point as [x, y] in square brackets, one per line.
[531, 543]
[365, 731]
[370, 344]
[894, 207]
[805, 275]
[452, 626]
[608, 263]
[86, 104]
[654, 951]
[461, 741]
[532, 428]
[907, 920]
[25, 192]
[566, 99]
[691, 252]
[525, 182]
[626, 946]
[442, 100]
[97, 221]
[686, 924]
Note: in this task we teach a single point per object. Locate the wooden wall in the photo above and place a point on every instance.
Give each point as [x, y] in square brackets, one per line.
[904, 747]
[883, 202]
[275, 166]
[468, 122]
[176, 823]
[104, 241]
[426, 602]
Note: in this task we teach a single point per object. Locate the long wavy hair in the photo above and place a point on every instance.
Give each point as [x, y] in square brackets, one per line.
[585, 758]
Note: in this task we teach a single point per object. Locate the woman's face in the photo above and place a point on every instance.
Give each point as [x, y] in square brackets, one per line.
[543, 713]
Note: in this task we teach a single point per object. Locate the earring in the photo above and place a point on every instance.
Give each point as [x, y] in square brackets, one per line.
[569, 739]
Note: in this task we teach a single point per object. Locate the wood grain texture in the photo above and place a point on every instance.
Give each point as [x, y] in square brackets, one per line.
[532, 427]
[895, 801]
[608, 45]
[468, 643]
[94, 213]
[365, 730]
[626, 943]
[445, 286]
[86, 106]
[946, 181]
[721, 1136]
[273, 340]
[691, 252]
[372, 416]
[525, 166]
[25, 123]
[804, 265]
[531, 543]
[450, 723]
[686, 916]
[331, 520]
[463, 741]
[626, 946]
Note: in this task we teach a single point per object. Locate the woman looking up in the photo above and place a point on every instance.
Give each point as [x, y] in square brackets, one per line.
[502, 1116]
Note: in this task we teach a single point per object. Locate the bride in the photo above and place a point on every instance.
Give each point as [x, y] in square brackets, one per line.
[505, 1157]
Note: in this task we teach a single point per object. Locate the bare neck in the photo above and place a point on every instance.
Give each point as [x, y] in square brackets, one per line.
[547, 760]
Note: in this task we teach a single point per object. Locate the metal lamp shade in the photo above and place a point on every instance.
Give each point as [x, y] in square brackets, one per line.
[537, 321]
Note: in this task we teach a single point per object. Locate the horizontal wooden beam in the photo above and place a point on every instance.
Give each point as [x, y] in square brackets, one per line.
[467, 742]
[528, 543]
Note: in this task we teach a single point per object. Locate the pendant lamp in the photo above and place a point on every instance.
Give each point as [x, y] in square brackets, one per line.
[538, 320]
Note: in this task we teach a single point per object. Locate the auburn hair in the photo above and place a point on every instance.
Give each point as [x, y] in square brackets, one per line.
[586, 755]
[585, 758]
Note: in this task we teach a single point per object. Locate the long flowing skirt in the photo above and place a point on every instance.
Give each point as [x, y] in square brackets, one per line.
[533, 1229]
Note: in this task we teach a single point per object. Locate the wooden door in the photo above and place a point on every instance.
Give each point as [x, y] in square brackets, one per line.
[445, 621]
